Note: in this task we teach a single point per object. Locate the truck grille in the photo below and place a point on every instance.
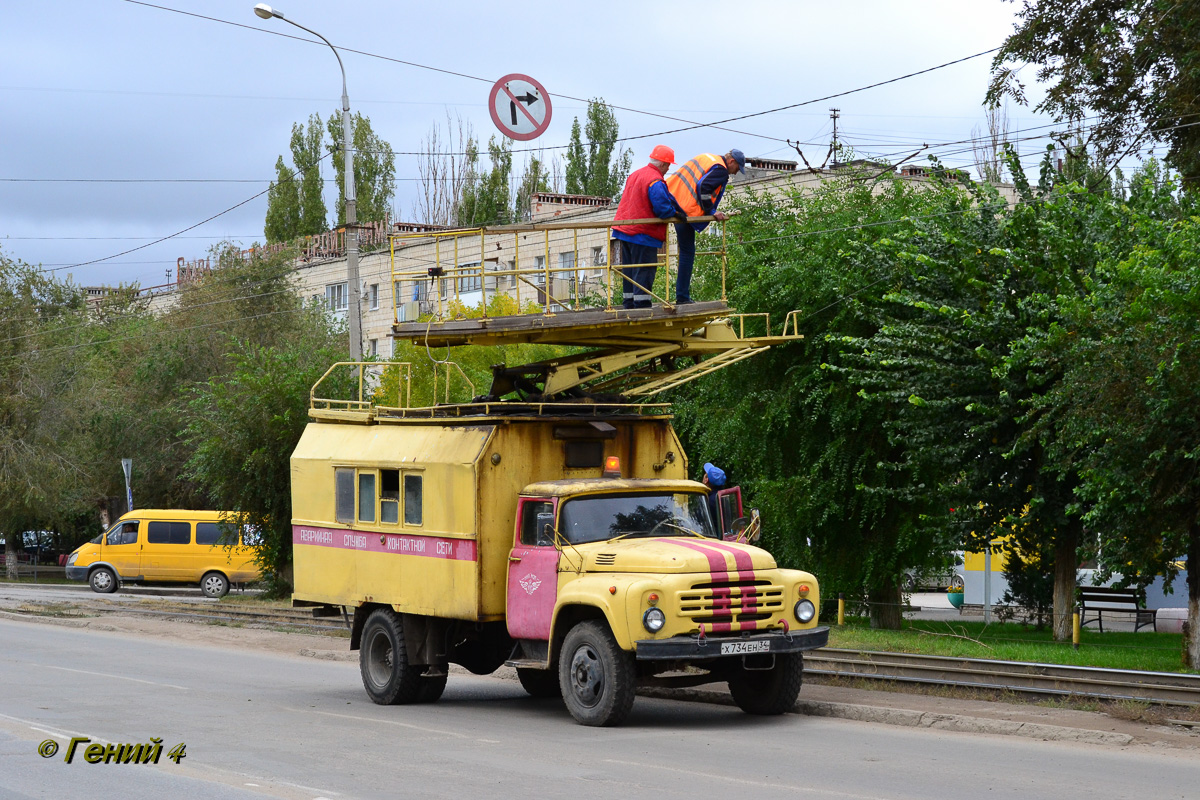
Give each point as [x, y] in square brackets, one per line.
[730, 605]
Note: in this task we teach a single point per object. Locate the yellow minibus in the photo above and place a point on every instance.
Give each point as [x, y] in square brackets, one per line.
[168, 546]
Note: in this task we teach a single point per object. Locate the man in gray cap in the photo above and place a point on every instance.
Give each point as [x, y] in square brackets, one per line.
[697, 187]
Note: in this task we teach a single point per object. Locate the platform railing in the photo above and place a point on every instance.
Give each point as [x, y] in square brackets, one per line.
[450, 271]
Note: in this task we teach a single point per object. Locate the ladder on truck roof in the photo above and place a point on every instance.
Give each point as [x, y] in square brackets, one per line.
[505, 274]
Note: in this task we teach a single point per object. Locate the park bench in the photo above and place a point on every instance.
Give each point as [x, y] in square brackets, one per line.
[1098, 599]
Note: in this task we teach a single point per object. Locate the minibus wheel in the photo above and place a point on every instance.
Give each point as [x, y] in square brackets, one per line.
[103, 580]
[214, 584]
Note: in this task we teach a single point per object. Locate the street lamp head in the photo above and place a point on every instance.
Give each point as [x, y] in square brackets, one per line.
[266, 12]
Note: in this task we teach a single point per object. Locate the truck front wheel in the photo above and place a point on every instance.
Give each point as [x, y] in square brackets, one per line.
[597, 678]
[766, 692]
[383, 662]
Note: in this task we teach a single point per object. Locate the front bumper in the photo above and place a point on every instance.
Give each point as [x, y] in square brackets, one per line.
[693, 647]
[77, 573]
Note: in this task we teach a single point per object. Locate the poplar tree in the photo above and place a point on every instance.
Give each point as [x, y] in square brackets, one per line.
[374, 168]
[599, 167]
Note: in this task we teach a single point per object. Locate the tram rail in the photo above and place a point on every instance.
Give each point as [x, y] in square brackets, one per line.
[1024, 678]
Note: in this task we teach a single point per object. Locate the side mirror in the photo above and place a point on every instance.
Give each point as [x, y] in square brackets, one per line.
[736, 529]
[545, 530]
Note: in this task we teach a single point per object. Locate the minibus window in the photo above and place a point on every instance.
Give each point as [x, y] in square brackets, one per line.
[251, 536]
[389, 495]
[169, 533]
[344, 491]
[366, 496]
[125, 533]
[412, 499]
[214, 533]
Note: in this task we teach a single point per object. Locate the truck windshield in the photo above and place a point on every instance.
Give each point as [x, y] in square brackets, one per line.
[596, 519]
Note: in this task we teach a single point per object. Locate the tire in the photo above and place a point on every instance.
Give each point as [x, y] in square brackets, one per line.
[597, 677]
[103, 581]
[957, 582]
[430, 689]
[769, 692]
[383, 662]
[539, 682]
[909, 583]
[214, 584]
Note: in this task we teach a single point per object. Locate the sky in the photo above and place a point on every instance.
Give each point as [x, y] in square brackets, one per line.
[126, 122]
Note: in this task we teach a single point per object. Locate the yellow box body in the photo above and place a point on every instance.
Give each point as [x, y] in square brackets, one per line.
[451, 560]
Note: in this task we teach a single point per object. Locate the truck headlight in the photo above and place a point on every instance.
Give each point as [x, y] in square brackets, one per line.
[805, 610]
[71, 559]
[654, 619]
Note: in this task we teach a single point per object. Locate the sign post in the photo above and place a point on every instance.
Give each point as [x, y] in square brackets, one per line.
[520, 107]
[127, 468]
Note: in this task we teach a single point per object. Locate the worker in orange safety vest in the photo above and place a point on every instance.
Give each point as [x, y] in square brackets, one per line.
[697, 187]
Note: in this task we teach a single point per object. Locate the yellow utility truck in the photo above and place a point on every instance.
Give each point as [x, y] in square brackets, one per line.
[548, 524]
[571, 546]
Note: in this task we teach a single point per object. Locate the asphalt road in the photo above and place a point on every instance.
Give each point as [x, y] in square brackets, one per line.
[261, 724]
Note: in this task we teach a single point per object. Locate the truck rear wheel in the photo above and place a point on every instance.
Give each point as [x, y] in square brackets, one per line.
[597, 677]
[770, 691]
[383, 662]
[539, 682]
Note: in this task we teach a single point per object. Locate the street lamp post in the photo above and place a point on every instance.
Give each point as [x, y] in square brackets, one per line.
[266, 12]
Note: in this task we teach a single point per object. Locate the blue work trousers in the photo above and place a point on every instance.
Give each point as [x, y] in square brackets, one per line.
[635, 296]
[686, 235]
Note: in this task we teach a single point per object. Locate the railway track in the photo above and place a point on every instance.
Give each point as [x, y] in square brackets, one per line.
[297, 619]
[1020, 677]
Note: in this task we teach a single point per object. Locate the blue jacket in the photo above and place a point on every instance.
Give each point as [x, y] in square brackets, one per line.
[664, 206]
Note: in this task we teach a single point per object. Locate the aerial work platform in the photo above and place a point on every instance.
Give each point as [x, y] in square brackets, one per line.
[466, 288]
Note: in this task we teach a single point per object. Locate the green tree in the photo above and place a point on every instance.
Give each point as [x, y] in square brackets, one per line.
[283, 205]
[244, 428]
[50, 385]
[486, 196]
[600, 167]
[535, 179]
[1135, 64]
[374, 168]
[306, 155]
[1128, 405]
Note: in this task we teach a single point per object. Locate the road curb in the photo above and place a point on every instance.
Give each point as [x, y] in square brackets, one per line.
[914, 719]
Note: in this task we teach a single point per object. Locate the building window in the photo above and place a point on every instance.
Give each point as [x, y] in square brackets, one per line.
[539, 263]
[599, 257]
[374, 295]
[335, 297]
[374, 347]
[470, 278]
[566, 265]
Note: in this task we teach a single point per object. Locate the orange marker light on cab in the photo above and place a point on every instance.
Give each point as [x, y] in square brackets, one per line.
[804, 590]
[612, 467]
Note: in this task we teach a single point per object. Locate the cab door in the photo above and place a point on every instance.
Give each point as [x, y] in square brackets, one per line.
[532, 571]
[123, 550]
[729, 508]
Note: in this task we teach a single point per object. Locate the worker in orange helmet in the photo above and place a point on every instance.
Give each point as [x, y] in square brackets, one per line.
[697, 187]
[645, 197]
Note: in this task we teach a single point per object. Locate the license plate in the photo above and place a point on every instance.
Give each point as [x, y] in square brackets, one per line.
[740, 648]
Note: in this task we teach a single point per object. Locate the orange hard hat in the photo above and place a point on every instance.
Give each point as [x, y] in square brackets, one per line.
[663, 153]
